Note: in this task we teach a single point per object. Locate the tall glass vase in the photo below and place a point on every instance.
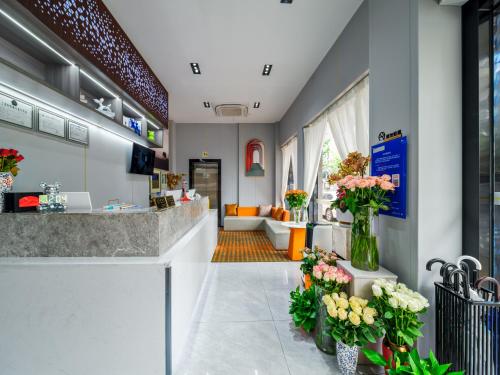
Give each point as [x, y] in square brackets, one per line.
[364, 241]
[323, 338]
[296, 214]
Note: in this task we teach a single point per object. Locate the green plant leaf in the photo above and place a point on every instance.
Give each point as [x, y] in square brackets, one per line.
[441, 369]
[388, 315]
[375, 357]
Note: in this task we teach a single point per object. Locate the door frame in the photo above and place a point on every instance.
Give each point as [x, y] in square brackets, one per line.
[219, 181]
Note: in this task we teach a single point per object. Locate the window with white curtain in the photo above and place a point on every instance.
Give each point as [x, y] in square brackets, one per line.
[288, 167]
[337, 131]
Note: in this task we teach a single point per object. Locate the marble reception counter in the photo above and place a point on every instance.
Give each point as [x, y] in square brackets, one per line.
[139, 233]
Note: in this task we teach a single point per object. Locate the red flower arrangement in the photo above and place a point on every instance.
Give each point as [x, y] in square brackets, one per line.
[9, 158]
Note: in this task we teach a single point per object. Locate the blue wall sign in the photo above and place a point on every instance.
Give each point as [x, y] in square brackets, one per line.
[390, 158]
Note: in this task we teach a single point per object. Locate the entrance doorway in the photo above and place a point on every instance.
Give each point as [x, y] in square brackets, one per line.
[205, 177]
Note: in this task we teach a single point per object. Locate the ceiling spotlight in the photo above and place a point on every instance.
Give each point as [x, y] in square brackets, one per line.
[195, 67]
[286, 1]
[267, 69]
[256, 105]
[206, 104]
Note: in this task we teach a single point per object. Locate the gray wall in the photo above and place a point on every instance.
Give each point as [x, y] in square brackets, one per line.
[227, 142]
[344, 63]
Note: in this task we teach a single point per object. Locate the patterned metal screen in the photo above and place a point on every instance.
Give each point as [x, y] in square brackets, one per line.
[90, 28]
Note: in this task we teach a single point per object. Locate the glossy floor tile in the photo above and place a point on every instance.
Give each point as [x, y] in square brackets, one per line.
[243, 326]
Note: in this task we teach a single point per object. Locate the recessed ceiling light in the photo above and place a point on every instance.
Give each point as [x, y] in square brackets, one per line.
[256, 105]
[195, 67]
[286, 1]
[267, 69]
[206, 104]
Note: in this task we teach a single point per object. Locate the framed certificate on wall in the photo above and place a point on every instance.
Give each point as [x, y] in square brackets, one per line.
[51, 123]
[78, 133]
[16, 112]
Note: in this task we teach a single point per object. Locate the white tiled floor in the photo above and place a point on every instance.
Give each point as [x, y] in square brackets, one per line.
[244, 326]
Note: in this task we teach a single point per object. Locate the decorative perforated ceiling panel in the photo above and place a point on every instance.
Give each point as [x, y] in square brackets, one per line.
[89, 27]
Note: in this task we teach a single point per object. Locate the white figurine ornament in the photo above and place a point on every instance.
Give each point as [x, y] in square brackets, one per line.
[104, 109]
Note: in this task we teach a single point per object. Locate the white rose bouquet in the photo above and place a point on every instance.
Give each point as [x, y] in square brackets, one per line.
[399, 307]
[353, 321]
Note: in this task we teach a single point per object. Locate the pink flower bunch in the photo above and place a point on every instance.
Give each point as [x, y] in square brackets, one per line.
[330, 277]
[354, 182]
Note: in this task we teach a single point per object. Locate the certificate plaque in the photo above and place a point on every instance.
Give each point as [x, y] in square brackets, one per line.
[78, 133]
[50, 123]
[16, 112]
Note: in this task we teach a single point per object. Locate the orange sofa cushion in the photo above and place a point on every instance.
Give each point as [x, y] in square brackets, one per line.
[231, 210]
[278, 214]
[248, 211]
[285, 216]
[273, 211]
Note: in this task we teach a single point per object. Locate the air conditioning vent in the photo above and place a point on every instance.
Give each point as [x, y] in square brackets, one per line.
[231, 110]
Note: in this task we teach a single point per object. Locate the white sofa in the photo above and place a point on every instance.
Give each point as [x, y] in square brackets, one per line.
[275, 231]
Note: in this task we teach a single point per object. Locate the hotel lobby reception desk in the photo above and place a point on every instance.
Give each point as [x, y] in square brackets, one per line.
[113, 297]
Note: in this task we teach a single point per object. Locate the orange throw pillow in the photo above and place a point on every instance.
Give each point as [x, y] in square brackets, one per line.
[285, 216]
[278, 214]
[231, 210]
[273, 211]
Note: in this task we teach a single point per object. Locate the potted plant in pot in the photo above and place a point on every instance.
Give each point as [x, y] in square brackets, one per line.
[327, 279]
[296, 200]
[398, 307]
[354, 165]
[365, 197]
[9, 159]
[353, 324]
[303, 308]
[410, 363]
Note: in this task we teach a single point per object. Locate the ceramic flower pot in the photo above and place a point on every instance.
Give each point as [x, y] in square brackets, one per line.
[364, 241]
[389, 348]
[322, 331]
[347, 358]
[6, 182]
[345, 218]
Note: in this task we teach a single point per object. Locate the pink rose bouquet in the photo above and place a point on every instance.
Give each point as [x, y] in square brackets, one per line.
[356, 191]
[330, 278]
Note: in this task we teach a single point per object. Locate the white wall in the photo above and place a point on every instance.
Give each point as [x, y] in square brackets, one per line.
[227, 142]
[440, 143]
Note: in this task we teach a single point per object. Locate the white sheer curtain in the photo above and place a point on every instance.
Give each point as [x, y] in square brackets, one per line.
[348, 120]
[289, 155]
[314, 136]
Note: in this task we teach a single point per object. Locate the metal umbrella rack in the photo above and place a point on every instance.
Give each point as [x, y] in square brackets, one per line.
[467, 317]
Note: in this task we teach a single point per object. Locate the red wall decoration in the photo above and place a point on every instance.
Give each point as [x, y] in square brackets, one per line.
[254, 158]
[90, 28]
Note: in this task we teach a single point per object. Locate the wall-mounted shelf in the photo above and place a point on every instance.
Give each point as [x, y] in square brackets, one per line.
[81, 82]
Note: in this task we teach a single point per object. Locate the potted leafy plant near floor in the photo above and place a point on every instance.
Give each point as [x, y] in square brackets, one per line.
[303, 308]
[353, 324]
[410, 363]
[398, 307]
[327, 279]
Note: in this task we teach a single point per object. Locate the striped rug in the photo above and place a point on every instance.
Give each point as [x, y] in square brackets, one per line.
[247, 247]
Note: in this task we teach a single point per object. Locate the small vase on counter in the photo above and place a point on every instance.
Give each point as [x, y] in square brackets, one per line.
[6, 182]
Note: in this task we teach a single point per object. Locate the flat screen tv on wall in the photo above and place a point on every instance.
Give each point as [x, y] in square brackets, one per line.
[143, 160]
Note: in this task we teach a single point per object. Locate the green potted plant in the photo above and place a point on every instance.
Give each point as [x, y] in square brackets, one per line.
[353, 324]
[303, 308]
[398, 307]
[410, 363]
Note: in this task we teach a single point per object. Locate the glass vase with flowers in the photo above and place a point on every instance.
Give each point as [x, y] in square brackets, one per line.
[296, 200]
[365, 197]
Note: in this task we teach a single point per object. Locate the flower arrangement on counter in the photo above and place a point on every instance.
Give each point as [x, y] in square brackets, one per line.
[399, 308]
[173, 180]
[329, 278]
[9, 158]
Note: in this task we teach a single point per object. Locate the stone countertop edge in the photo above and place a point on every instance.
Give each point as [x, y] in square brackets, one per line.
[101, 234]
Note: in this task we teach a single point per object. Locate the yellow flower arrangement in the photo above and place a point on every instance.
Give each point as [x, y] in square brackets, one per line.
[296, 198]
[353, 321]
